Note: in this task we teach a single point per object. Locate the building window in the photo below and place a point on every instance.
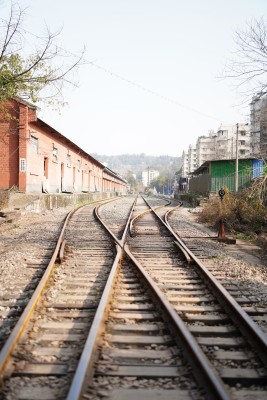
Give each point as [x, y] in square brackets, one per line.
[79, 164]
[34, 144]
[54, 154]
[68, 160]
[86, 169]
[242, 142]
[22, 164]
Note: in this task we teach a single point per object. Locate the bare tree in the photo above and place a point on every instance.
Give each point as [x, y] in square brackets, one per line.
[249, 66]
[248, 69]
[37, 75]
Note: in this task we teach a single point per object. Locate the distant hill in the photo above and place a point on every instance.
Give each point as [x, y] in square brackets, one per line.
[137, 163]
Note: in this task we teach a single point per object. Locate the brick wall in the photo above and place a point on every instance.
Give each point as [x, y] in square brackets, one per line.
[9, 144]
[35, 158]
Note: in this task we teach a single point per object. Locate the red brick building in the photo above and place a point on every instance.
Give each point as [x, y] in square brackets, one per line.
[35, 158]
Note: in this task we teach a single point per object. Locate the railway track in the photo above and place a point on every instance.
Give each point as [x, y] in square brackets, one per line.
[23, 265]
[140, 356]
[130, 321]
[220, 333]
[237, 281]
[40, 355]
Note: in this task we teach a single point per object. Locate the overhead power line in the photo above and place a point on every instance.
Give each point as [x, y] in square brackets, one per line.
[163, 97]
[132, 83]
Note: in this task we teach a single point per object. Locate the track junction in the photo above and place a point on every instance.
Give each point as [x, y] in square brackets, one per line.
[131, 307]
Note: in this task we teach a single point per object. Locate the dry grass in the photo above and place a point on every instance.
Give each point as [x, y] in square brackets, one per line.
[243, 212]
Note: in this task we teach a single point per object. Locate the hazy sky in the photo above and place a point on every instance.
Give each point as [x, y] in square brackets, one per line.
[165, 56]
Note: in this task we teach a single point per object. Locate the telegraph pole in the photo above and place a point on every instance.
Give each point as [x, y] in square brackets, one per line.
[236, 160]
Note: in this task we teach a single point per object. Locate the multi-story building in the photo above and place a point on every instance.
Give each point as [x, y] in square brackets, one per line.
[148, 176]
[232, 137]
[258, 118]
[218, 146]
[205, 148]
[192, 157]
[185, 167]
[189, 160]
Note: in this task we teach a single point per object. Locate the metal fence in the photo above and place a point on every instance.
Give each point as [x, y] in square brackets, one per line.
[206, 183]
[228, 181]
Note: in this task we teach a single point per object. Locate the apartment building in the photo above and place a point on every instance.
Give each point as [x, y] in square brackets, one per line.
[258, 118]
[205, 148]
[148, 176]
[189, 160]
[221, 145]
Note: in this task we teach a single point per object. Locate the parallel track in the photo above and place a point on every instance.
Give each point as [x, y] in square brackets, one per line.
[228, 336]
[131, 321]
[45, 345]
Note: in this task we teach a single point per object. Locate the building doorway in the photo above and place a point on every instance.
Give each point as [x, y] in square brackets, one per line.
[74, 179]
[46, 167]
[62, 178]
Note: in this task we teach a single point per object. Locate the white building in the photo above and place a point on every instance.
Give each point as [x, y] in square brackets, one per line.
[205, 148]
[231, 136]
[148, 176]
[189, 160]
[218, 146]
[185, 166]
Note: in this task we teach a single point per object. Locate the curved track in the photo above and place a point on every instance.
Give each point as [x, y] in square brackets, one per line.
[47, 341]
[135, 320]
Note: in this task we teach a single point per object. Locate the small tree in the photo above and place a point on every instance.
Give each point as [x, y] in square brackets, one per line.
[159, 183]
[131, 180]
[38, 76]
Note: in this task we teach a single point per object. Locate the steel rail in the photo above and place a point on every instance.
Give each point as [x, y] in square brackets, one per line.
[90, 352]
[172, 210]
[204, 372]
[136, 218]
[254, 335]
[25, 316]
[121, 241]
[146, 212]
[27, 312]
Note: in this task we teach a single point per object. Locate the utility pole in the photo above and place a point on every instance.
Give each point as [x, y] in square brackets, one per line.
[236, 160]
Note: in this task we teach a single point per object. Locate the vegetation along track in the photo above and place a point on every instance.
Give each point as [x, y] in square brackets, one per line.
[138, 344]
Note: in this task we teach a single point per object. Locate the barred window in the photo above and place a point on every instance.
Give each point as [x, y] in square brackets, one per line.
[22, 164]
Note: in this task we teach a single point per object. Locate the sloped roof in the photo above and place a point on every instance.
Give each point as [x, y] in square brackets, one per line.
[204, 167]
[64, 139]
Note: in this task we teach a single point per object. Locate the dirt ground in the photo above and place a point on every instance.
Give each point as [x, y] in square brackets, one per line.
[244, 250]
